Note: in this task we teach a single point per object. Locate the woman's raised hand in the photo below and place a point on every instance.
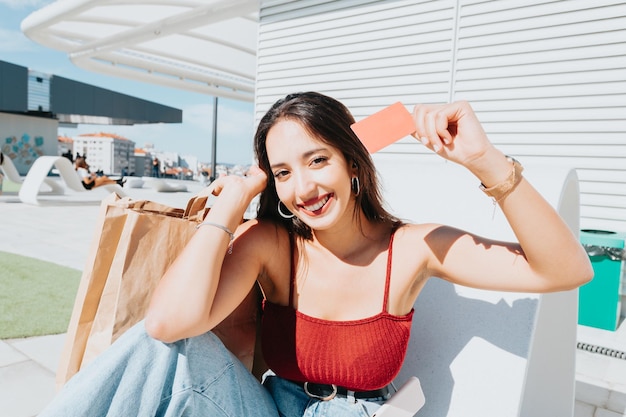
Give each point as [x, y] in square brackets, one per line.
[248, 187]
[451, 130]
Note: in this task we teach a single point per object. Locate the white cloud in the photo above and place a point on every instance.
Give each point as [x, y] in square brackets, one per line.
[24, 4]
[199, 115]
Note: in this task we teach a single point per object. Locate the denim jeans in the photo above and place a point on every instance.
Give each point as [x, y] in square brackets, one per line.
[139, 376]
[292, 401]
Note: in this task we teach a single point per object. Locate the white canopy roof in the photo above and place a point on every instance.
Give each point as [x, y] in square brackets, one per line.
[206, 46]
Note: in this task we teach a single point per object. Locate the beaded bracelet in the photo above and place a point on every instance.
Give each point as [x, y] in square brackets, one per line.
[231, 235]
[503, 189]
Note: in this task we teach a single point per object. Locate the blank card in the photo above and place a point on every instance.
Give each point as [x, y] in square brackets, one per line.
[384, 127]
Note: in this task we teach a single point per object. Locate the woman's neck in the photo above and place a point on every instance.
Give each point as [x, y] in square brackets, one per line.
[350, 240]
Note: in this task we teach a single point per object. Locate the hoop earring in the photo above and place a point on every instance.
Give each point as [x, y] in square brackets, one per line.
[283, 215]
[356, 186]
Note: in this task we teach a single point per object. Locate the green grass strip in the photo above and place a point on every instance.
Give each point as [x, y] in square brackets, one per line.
[36, 297]
[10, 187]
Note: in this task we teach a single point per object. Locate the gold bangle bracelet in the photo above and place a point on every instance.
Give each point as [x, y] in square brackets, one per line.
[503, 189]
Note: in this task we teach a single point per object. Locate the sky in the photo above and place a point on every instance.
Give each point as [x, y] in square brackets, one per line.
[191, 137]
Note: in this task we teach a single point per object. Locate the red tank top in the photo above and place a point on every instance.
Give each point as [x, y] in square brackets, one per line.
[360, 355]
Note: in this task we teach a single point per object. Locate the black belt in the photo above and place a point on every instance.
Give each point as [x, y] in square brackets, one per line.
[326, 392]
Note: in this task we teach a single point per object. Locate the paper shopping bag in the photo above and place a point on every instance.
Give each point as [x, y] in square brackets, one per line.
[149, 243]
[150, 239]
[108, 229]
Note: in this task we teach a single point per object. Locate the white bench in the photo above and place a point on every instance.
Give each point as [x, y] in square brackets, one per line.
[162, 185]
[30, 192]
[485, 353]
[8, 167]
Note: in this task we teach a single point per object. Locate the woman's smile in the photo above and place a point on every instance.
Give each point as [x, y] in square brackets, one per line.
[315, 207]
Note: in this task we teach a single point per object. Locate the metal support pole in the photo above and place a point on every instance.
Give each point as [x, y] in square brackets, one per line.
[214, 142]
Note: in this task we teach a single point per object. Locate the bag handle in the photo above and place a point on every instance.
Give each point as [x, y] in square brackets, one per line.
[196, 210]
[154, 207]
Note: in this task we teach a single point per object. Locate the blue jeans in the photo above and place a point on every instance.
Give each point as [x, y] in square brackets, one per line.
[292, 401]
[139, 376]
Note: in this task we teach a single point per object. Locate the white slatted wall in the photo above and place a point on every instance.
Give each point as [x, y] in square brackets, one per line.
[547, 78]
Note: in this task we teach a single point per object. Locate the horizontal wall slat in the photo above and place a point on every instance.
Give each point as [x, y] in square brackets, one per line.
[617, 191]
[590, 126]
[581, 67]
[547, 80]
[491, 9]
[558, 115]
[600, 223]
[334, 11]
[602, 200]
[557, 32]
[604, 101]
[395, 65]
[468, 60]
[393, 83]
[353, 60]
[615, 214]
[547, 15]
[360, 28]
[602, 175]
[582, 90]
[420, 74]
[557, 138]
[408, 47]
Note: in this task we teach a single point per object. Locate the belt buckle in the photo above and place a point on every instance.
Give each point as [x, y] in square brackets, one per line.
[319, 397]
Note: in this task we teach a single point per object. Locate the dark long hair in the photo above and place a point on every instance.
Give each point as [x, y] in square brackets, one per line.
[329, 121]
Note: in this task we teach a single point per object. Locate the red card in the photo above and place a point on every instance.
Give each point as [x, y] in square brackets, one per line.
[384, 127]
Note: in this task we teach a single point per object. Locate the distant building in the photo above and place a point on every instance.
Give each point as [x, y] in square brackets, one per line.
[143, 163]
[66, 145]
[33, 105]
[191, 165]
[108, 152]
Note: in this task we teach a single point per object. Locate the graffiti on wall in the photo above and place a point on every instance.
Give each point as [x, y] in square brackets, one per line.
[23, 150]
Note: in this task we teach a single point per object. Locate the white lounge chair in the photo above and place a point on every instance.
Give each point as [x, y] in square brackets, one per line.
[10, 172]
[134, 182]
[164, 186]
[30, 192]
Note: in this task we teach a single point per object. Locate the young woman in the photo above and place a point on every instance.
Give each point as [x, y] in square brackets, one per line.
[91, 180]
[339, 274]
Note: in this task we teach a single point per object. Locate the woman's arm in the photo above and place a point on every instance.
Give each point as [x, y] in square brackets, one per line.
[549, 256]
[84, 175]
[205, 284]
[89, 179]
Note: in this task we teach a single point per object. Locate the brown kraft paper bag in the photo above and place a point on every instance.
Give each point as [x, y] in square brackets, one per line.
[104, 244]
[150, 238]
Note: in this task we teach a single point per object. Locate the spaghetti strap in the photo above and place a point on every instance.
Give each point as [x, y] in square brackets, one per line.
[388, 273]
[292, 278]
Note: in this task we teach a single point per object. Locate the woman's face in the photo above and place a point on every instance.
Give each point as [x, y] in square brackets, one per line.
[312, 178]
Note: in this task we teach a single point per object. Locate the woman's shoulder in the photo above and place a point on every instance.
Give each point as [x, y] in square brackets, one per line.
[268, 245]
[425, 239]
[416, 231]
[263, 235]
[413, 239]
